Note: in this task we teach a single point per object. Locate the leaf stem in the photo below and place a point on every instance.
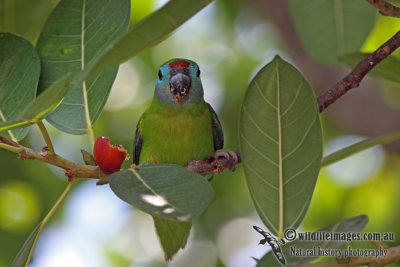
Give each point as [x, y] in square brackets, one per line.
[48, 217]
[84, 90]
[9, 131]
[358, 147]
[11, 148]
[46, 137]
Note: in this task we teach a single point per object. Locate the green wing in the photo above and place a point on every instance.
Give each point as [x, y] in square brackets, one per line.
[137, 146]
[218, 135]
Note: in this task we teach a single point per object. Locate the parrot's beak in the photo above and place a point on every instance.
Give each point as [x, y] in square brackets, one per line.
[180, 84]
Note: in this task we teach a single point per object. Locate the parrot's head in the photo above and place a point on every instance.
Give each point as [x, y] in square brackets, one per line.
[179, 83]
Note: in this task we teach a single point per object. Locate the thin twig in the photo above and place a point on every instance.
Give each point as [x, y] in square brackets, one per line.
[353, 79]
[385, 8]
[78, 170]
[393, 255]
[48, 217]
[46, 137]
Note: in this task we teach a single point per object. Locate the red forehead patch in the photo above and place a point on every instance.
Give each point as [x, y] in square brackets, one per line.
[178, 64]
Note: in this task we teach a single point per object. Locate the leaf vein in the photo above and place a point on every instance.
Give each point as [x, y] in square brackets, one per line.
[140, 178]
[19, 82]
[265, 216]
[301, 212]
[294, 100]
[263, 96]
[302, 139]
[257, 126]
[260, 177]
[302, 170]
[170, 19]
[258, 151]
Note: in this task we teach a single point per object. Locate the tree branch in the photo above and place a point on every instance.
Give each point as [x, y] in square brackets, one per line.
[385, 8]
[79, 170]
[210, 165]
[393, 255]
[353, 79]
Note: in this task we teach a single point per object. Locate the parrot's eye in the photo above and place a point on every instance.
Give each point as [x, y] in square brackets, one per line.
[198, 72]
[160, 75]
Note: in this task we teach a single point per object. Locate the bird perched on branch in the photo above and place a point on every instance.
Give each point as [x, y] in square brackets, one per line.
[178, 127]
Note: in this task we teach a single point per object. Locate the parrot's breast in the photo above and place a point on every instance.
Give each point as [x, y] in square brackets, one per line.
[177, 135]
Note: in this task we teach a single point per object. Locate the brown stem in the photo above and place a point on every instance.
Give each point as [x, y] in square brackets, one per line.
[353, 79]
[8, 141]
[385, 8]
[78, 170]
[393, 255]
[210, 165]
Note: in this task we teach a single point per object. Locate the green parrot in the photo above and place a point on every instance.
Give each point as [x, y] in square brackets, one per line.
[178, 127]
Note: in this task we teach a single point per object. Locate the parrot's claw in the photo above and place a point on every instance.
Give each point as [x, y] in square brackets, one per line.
[226, 153]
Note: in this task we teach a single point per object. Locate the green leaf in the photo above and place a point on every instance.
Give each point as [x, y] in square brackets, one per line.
[389, 68]
[146, 33]
[19, 76]
[22, 256]
[43, 105]
[352, 225]
[172, 234]
[329, 29]
[166, 190]
[358, 147]
[281, 144]
[75, 33]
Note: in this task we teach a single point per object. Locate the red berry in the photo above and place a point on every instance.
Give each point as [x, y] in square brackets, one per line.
[108, 157]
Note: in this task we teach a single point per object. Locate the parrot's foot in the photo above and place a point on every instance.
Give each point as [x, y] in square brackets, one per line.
[227, 154]
[209, 159]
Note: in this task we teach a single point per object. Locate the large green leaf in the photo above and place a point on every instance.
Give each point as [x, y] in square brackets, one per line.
[389, 68]
[19, 76]
[146, 33]
[358, 147]
[281, 144]
[75, 33]
[166, 190]
[42, 106]
[331, 28]
[23, 254]
[352, 225]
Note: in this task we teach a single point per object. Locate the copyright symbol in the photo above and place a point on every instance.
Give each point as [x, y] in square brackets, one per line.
[290, 234]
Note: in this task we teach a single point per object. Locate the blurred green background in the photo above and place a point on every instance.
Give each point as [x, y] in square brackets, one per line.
[230, 40]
